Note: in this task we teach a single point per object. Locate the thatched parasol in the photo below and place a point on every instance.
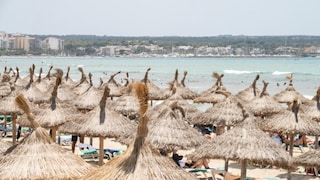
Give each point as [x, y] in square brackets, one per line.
[18, 81]
[67, 80]
[214, 96]
[291, 123]
[114, 86]
[188, 108]
[181, 88]
[226, 113]
[32, 93]
[215, 85]
[141, 160]
[8, 107]
[263, 104]
[90, 98]
[46, 83]
[53, 114]
[168, 124]
[245, 143]
[4, 85]
[250, 92]
[127, 105]
[155, 93]
[289, 94]
[103, 122]
[38, 157]
[83, 84]
[310, 158]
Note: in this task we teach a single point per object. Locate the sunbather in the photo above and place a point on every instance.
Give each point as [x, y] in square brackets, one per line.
[74, 139]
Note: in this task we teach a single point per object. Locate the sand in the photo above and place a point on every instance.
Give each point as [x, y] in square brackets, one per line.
[234, 167]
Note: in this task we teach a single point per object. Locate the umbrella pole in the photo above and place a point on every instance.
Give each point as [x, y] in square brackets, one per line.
[54, 133]
[226, 163]
[316, 141]
[101, 153]
[14, 128]
[243, 169]
[290, 153]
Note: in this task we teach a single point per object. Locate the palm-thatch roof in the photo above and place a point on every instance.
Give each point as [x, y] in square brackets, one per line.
[263, 104]
[290, 122]
[114, 86]
[245, 143]
[289, 94]
[5, 89]
[38, 157]
[188, 108]
[214, 96]
[168, 124]
[141, 160]
[90, 98]
[226, 113]
[309, 159]
[250, 92]
[155, 93]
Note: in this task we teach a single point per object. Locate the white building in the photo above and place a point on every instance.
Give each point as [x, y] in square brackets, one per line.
[53, 43]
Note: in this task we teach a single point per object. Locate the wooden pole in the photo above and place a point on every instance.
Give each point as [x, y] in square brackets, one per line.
[54, 133]
[243, 169]
[14, 128]
[101, 151]
[290, 153]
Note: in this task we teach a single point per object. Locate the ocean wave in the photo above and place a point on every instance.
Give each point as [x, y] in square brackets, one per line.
[80, 65]
[280, 73]
[239, 72]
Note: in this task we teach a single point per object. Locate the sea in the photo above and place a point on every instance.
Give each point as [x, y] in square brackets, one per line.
[239, 73]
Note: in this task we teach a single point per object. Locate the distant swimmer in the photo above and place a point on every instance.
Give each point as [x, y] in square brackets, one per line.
[278, 84]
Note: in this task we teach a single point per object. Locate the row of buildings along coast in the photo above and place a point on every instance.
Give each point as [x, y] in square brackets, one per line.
[55, 46]
[26, 43]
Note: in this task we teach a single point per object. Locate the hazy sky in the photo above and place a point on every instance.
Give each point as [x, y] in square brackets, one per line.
[161, 17]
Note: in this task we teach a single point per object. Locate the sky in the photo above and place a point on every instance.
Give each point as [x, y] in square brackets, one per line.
[161, 17]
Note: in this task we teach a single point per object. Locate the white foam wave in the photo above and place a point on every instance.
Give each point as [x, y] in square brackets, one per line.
[80, 65]
[237, 72]
[280, 73]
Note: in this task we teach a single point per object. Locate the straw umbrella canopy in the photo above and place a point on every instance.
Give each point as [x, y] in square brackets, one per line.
[141, 160]
[155, 93]
[89, 99]
[53, 114]
[114, 86]
[250, 92]
[5, 85]
[127, 105]
[263, 104]
[289, 94]
[290, 123]
[103, 122]
[214, 87]
[83, 84]
[226, 113]
[38, 157]
[67, 80]
[182, 89]
[214, 96]
[189, 110]
[8, 107]
[18, 81]
[32, 93]
[168, 124]
[245, 143]
[310, 158]
[44, 84]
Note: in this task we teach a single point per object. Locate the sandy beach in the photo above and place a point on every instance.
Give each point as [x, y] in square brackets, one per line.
[234, 167]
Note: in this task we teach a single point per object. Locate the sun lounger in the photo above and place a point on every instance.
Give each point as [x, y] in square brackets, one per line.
[89, 150]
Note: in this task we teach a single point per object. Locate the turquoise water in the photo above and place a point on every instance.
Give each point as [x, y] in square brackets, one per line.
[238, 72]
